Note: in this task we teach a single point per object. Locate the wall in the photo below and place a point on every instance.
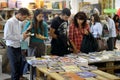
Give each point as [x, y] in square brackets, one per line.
[74, 6]
[117, 4]
[91, 1]
[3, 0]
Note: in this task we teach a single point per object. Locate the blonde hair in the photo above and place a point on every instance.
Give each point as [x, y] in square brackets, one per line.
[31, 12]
[102, 17]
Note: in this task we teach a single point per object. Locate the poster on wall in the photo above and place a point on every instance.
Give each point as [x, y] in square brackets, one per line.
[97, 7]
[3, 0]
[12, 3]
[85, 7]
[58, 5]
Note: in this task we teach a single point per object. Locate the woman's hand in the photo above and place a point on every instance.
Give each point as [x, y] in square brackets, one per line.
[86, 31]
[40, 37]
[25, 35]
[75, 51]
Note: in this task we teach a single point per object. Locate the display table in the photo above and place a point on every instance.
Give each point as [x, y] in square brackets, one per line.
[50, 67]
[108, 66]
[56, 76]
[108, 61]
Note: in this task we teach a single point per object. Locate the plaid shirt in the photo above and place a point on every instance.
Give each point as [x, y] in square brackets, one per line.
[76, 35]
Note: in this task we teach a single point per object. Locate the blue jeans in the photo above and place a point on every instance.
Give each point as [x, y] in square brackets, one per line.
[24, 68]
[15, 58]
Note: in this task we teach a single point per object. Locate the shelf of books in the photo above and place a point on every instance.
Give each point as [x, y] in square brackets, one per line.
[51, 7]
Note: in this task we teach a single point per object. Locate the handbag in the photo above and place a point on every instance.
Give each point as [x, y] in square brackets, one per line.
[89, 44]
[102, 44]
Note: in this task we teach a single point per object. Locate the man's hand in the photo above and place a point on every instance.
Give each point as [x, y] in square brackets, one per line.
[52, 33]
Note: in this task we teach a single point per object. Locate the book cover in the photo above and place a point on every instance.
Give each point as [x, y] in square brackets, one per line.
[55, 69]
[86, 74]
[71, 68]
[71, 76]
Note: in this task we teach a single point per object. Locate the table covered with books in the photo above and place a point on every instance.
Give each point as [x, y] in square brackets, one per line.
[74, 67]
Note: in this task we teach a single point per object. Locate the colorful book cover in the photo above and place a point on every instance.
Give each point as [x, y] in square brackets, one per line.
[86, 74]
[89, 68]
[55, 69]
[71, 76]
[71, 68]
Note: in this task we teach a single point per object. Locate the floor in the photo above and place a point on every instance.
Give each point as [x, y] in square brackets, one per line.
[7, 76]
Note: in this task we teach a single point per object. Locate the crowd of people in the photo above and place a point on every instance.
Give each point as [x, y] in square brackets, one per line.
[66, 32]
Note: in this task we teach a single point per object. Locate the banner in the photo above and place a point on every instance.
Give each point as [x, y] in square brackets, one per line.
[110, 10]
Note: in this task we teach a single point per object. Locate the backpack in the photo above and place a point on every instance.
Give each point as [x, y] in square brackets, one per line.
[89, 44]
[105, 31]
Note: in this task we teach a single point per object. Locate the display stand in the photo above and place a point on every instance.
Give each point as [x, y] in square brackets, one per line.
[108, 66]
[56, 76]
[48, 69]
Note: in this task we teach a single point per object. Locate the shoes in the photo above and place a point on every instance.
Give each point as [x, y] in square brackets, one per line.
[23, 78]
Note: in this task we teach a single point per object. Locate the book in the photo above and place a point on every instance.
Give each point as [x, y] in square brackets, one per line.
[86, 74]
[71, 68]
[71, 76]
[89, 68]
[55, 69]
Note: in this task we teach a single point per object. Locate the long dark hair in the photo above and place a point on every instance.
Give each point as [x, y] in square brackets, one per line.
[38, 25]
[96, 18]
[116, 18]
[82, 16]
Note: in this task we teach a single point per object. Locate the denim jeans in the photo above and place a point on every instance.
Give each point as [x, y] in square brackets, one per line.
[15, 57]
[24, 66]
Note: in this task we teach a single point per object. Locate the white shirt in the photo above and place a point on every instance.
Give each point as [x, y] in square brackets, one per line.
[96, 29]
[112, 30]
[12, 32]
